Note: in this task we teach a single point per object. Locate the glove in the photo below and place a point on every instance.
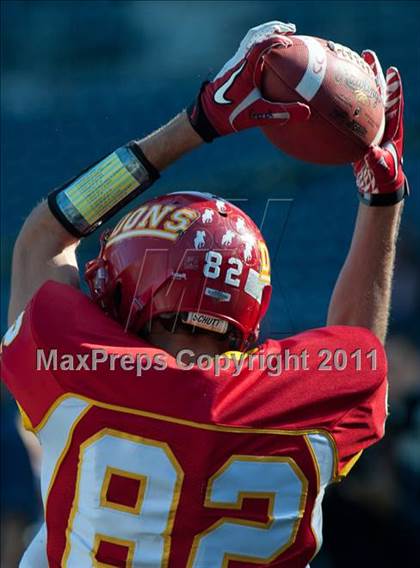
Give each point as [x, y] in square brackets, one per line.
[233, 100]
[379, 174]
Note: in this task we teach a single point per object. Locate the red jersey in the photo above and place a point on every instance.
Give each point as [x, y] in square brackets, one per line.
[156, 465]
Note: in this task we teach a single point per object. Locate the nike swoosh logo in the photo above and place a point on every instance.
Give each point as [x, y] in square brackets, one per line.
[219, 95]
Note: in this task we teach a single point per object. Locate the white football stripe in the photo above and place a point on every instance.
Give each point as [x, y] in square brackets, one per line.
[314, 75]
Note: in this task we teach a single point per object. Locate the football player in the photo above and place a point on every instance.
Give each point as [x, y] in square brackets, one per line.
[181, 466]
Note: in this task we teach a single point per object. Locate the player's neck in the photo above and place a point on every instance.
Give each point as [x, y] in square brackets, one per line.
[173, 343]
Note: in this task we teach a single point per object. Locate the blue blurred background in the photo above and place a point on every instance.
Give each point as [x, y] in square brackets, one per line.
[80, 78]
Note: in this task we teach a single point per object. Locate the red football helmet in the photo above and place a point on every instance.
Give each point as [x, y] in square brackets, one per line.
[189, 254]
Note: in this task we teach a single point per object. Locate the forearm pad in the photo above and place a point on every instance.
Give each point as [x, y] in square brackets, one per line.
[82, 204]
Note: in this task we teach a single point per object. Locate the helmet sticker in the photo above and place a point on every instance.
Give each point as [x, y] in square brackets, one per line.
[207, 216]
[248, 251]
[254, 285]
[156, 220]
[217, 294]
[249, 241]
[265, 270]
[228, 237]
[240, 224]
[200, 239]
[205, 321]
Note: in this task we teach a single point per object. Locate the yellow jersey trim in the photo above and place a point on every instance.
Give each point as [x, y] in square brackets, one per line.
[26, 421]
[191, 423]
[349, 465]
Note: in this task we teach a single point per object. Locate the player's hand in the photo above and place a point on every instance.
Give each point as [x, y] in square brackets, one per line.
[232, 101]
[379, 174]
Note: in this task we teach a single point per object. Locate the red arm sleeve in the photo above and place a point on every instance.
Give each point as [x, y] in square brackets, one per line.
[363, 422]
[348, 402]
[43, 351]
[30, 383]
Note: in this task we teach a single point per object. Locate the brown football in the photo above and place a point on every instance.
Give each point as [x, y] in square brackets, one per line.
[347, 112]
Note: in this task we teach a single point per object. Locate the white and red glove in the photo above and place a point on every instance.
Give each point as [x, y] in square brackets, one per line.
[232, 101]
[379, 174]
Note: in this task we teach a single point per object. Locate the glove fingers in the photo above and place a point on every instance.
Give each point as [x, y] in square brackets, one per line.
[265, 31]
[372, 60]
[371, 171]
[255, 36]
[383, 163]
[379, 174]
[394, 107]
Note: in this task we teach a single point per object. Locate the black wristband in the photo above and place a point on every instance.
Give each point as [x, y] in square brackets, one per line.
[82, 204]
[199, 120]
[138, 152]
[385, 199]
